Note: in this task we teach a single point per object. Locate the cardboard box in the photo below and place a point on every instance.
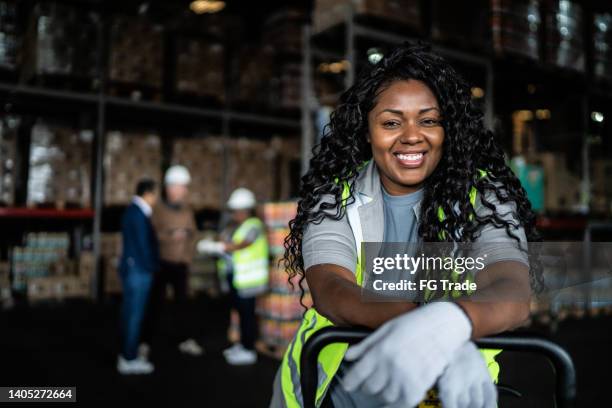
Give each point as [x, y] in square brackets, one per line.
[129, 157]
[203, 157]
[136, 51]
[60, 41]
[562, 189]
[200, 67]
[55, 174]
[256, 175]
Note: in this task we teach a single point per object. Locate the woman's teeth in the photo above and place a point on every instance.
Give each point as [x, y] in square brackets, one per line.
[410, 157]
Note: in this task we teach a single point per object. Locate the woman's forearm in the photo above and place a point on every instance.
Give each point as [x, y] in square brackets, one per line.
[339, 298]
[503, 303]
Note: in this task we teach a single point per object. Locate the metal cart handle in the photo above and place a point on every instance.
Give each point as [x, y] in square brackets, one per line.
[565, 384]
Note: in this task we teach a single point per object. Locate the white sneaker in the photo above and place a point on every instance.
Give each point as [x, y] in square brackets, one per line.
[231, 350]
[191, 347]
[242, 357]
[136, 366]
[143, 351]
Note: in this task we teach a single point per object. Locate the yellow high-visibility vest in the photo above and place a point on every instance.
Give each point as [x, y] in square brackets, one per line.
[250, 264]
[332, 355]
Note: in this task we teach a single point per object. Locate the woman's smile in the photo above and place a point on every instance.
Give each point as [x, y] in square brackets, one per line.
[410, 160]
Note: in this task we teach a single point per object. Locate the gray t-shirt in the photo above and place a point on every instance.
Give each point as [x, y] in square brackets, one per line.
[400, 221]
[400, 226]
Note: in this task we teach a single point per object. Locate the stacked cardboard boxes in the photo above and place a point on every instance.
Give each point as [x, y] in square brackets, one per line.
[515, 27]
[283, 30]
[136, 52]
[57, 288]
[204, 159]
[288, 165]
[60, 166]
[561, 187]
[60, 40]
[256, 70]
[564, 35]
[252, 164]
[282, 307]
[200, 67]
[328, 13]
[8, 158]
[43, 254]
[10, 38]
[286, 86]
[129, 157]
[41, 268]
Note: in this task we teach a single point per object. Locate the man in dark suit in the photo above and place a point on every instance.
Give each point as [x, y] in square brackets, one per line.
[139, 262]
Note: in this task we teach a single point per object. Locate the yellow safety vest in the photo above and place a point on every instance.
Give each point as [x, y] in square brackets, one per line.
[250, 264]
[332, 355]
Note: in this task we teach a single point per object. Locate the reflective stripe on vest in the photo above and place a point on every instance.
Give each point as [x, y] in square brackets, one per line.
[250, 264]
[331, 356]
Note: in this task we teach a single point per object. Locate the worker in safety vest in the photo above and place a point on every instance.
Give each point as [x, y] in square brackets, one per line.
[245, 260]
[406, 159]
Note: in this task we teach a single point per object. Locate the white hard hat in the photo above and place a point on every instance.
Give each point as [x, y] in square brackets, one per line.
[241, 199]
[177, 175]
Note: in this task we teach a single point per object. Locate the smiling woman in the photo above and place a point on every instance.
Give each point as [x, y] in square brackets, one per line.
[406, 134]
[406, 158]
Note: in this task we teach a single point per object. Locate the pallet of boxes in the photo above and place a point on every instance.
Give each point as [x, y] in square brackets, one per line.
[43, 270]
[59, 166]
[128, 158]
[280, 310]
[203, 157]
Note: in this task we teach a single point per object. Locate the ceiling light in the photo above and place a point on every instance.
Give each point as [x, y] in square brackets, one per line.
[543, 114]
[477, 92]
[206, 6]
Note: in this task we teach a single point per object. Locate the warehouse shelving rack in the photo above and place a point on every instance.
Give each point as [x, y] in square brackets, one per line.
[352, 29]
[99, 103]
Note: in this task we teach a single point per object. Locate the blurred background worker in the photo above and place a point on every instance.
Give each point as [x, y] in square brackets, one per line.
[174, 223]
[138, 264]
[245, 252]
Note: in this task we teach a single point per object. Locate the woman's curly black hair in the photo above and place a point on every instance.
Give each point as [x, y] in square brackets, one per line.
[468, 146]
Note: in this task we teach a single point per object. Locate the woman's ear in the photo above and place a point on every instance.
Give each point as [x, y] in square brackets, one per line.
[368, 138]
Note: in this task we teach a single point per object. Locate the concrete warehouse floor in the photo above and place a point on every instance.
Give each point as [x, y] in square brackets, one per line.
[75, 344]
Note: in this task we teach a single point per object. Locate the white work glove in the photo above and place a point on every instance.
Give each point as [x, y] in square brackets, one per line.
[403, 359]
[466, 382]
[209, 247]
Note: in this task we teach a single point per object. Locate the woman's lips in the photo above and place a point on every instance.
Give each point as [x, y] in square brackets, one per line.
[410, 160]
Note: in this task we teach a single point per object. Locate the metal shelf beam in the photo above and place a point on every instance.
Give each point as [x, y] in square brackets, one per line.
[245, 117]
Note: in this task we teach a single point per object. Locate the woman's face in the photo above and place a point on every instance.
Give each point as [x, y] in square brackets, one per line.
[406, 135]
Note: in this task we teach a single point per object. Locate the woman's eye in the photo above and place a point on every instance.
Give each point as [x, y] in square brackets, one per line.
[430, 122]
[390, 124]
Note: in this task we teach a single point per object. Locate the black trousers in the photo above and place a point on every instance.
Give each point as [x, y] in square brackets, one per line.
[248, 320]
[175, 275]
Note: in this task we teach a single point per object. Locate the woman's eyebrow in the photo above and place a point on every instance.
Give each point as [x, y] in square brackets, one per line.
[395, 111]
[424, 110]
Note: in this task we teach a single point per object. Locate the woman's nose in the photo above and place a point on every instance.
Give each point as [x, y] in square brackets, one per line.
[411, 134]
